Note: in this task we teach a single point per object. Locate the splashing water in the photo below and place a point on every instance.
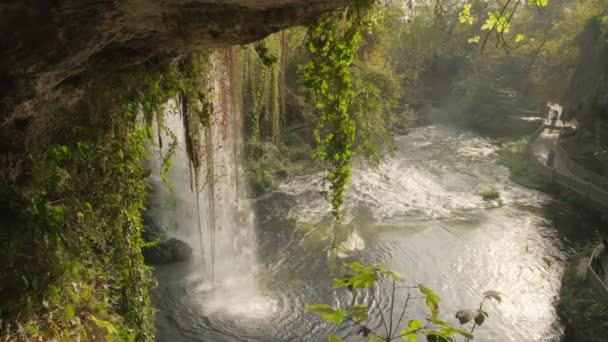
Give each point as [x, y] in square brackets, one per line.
[418, 214]
[212, 213]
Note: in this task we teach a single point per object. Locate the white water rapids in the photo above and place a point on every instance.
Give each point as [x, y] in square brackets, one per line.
[420, 214]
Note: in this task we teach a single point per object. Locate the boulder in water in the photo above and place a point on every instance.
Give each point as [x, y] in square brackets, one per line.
[168, 251]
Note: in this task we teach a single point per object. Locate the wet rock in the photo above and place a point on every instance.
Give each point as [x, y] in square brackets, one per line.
[152, 231]
[168, 251]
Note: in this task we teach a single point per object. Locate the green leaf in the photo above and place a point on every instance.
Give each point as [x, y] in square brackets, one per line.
[432, 300]
[319, 307]
[520, 38]
[333, 338]
[337, 316]
[465, 316]
[465, 15]
[448, 329]
[438, 336]
[468, 315]
[355, 266]
[390, 273]
[366, 277]
[328, 312]
[412, 331]
[497, 21]
[474, 39]
[110, 329]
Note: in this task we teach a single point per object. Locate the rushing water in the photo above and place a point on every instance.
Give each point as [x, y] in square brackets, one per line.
[420, 214]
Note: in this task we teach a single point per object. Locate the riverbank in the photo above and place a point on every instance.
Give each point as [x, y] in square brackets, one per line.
[583, 314]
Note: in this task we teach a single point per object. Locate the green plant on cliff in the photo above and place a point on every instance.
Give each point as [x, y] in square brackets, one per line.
[72, 267]
[364, 278]
[332, 42]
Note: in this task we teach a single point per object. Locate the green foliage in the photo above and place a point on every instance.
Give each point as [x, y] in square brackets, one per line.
[465, 16]
[328, 312]
[364, 276]
[497, 20]
[327, 76]
[474, 39]
[489, 194]
[412, 331]
[434, 329]
[466, 316]
[263, 52]
[432, 300]
[77, 269]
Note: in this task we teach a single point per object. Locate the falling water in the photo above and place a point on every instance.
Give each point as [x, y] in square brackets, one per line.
[210, 209]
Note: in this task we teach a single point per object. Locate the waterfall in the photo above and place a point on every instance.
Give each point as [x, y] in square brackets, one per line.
[210, 209]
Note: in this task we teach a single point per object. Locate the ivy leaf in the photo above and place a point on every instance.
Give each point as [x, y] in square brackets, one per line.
[474, 39]
[411, 333]
[432, 300]
[465, 15]
[520, 38]
[333, 338]
[491, 294]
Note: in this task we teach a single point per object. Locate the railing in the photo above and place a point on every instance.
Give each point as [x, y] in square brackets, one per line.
[588, 186]
[535, 135]
[580, 171]
[582, 187]
[594, 279]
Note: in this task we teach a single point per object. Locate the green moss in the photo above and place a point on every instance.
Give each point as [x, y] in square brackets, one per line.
[72, 267]
[489, 194]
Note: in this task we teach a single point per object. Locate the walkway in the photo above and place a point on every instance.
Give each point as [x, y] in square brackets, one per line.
[574, 177]
[565, 171]
[547, 141]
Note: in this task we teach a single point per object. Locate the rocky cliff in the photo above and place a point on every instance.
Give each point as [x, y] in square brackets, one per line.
[48, 47]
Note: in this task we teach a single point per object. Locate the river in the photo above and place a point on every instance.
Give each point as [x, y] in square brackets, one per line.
[418, 213]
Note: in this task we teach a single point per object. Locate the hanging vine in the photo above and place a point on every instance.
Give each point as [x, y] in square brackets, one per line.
[274, 105]
[331, 44]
